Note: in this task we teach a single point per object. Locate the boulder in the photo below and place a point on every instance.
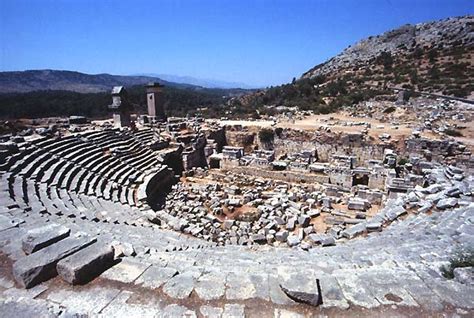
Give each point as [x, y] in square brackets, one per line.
[228, 224]
[312, 299]
[259, 238]
[358, 204]
[394, 212]
[354, 230]
[293, 240]
[374, 226]
[464, 275]
[290, 225]
[447, 203]
[328, 241]
[304, 220]
[281, 236]
[313, 213]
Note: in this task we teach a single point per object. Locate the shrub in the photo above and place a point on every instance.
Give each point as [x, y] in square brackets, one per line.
[389, 110]
[403, 161]
[418, 53]
[462, 258]
[453, 132]
[434, 73]
[278, 131]
[385, 59]
[266, 135]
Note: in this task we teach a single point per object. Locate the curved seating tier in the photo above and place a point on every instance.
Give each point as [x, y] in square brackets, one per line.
[86, 179]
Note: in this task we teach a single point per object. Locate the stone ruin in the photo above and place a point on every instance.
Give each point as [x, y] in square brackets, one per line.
[183, 208]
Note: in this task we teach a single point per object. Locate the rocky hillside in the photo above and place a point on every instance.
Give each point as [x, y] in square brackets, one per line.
[435, 57]
[40, 80]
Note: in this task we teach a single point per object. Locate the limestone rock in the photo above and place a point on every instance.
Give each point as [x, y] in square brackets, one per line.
[41, 266]
[86, 264]
[39, 238]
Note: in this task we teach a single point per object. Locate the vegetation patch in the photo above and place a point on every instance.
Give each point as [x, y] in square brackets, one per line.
[389, 110]
[453, 132]
[266, 135]
[462, 258]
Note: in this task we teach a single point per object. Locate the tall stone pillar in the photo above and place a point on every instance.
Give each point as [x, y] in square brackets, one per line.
[121, 107]
[155, 101]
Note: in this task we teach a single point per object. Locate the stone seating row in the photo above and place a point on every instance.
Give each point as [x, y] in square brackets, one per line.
[51, 204]
[51, 169]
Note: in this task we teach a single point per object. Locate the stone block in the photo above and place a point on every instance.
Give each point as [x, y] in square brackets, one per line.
[293, 240]
[281, 236]
[304, 220]
[354, 230]
[86, 264]
[444, 204]
[464, 275]
[290, 225]
[259, 238]
[41, 266]
[39, 238]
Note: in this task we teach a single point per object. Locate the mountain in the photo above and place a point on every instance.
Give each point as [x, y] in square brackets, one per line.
[39, 80]
[435, 57]
[208, 83]
[445, 45]
[47, 93]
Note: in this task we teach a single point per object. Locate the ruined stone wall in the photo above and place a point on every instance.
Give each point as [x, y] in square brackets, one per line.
[377, 181]
[219, 136]
[341, 178]
[243, 139]
[288, 176]
[437, 150]
[286, 146]
[325, 151]
[172, 157]
[194, 158]
[156, 185]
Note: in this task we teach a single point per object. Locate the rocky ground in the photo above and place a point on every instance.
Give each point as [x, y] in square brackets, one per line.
[395, 271]
[78, 238]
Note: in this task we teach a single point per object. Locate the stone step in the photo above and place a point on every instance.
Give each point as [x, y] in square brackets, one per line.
[34, 165]
[86, 264]
[41, 266]
[42, 237]
[43, 168]
[7, 223]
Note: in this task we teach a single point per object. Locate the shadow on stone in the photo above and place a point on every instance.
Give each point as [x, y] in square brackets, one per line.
[312, 299]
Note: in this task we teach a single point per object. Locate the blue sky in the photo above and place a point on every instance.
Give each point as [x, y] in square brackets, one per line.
[260, 42]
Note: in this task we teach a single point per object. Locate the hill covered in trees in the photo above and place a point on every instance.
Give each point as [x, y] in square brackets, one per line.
[42, 80]
[179, 102]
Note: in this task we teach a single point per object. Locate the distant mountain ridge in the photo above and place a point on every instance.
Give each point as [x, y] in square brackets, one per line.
[40, 80]
[208, 83]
